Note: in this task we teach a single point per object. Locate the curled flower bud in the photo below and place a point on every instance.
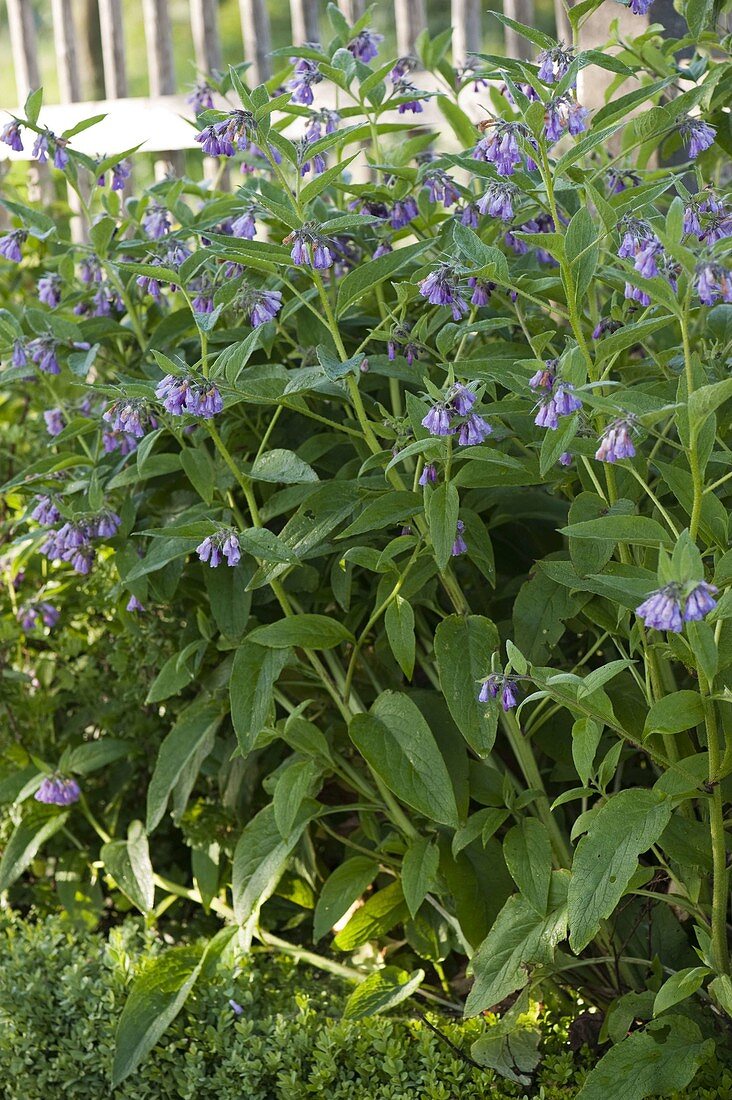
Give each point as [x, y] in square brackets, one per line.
[616, 442]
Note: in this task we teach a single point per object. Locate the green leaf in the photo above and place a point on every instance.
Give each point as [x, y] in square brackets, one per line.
[251, 687]
[703, 402]
[307, 631]
[192, 733]
[658, 1061]
[539, 614]
[419, 871]
[293, 786]
[199, 470]
[389, 508]
[528, 855]
[319, 183]
[128, 862]
[343, 886]
[364, 278]
[157, 996]
[721, 990]
[282, 466]
[93, 755]
[399, 746]
[641, 530]
[443, 505]
[399, 623]
[582, 250]
[606, 858]
[463, 648]
[682, 984]
[260, 858]
[519, 939]
[25, 840]
[373, 920]
[229, 601]
[482, 824]
[682, 710]
[543, 41]
[382, 991]
[460, 124]
[586, 734]
[33, 104]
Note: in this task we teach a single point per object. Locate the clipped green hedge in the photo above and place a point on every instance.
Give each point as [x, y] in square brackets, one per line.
[61, 993]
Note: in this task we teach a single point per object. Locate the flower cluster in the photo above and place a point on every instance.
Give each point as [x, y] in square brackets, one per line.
[72, 542]
[229, 136]
[668, 608]
[32, 615]
[223, 545]
[455, 415]
[184, 394]
[497, 685]
[503, 145]
[557, 397]
[56, 790]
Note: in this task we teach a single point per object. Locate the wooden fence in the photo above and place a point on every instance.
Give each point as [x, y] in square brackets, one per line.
[156, 120]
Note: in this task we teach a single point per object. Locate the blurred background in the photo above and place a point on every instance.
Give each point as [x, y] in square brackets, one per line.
[88, 44]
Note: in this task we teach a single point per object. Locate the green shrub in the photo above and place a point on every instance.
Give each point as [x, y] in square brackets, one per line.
[61, 993]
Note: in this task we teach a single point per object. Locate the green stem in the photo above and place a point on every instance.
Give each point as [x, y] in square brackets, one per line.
[720, 874]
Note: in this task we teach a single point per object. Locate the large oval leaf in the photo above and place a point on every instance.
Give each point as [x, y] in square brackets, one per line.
[399, 746]
[463, 648]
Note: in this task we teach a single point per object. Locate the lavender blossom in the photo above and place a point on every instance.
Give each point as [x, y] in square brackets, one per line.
[49, 290]
[244, 226]
[441, 188]
[156, 221]
[223, 544]
[713, 283]
[700, 602]
[482, 291]
[55, 422]
[461, 399]
[561, 401]
[307, 73]
[438, 421]
[10, 245]
[662, 609]
[19, 357]
[186, 395]
[564, 113]
[554, 63]
[201, 98]
[698, 135]
[440, 288]
[459, 546]
[45, 511]
[121, 172]
[403, 212]
[474, 431]
[365, 46]
[411, 96]
[42, 351]
[616, 442]
[428, 475]
[266, 304]
[56, 790]
[10, 135]
[133, 604]
[40, 148]
[497, 201]
[640, 7]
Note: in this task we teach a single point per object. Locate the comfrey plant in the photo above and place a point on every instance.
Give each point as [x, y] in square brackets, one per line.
[419, 475]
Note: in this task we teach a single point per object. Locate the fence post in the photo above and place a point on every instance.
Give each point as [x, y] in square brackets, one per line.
[23, 47]
[64, 37]
[204, 26]
[113, 48]
[410, 18]
[352, 9]
[466, 30]
[523, 12]
[159, 41]
[255, 31]
[304, 19]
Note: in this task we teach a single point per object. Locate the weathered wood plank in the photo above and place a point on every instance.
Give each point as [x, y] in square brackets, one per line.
[304, 21]
[466, 30]
[205, 30]
[113, 48]
[352, 9]
[523, 12]
[411, 18]
[23, 47]
[159, 41]
[64, 37]
[255, 30]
